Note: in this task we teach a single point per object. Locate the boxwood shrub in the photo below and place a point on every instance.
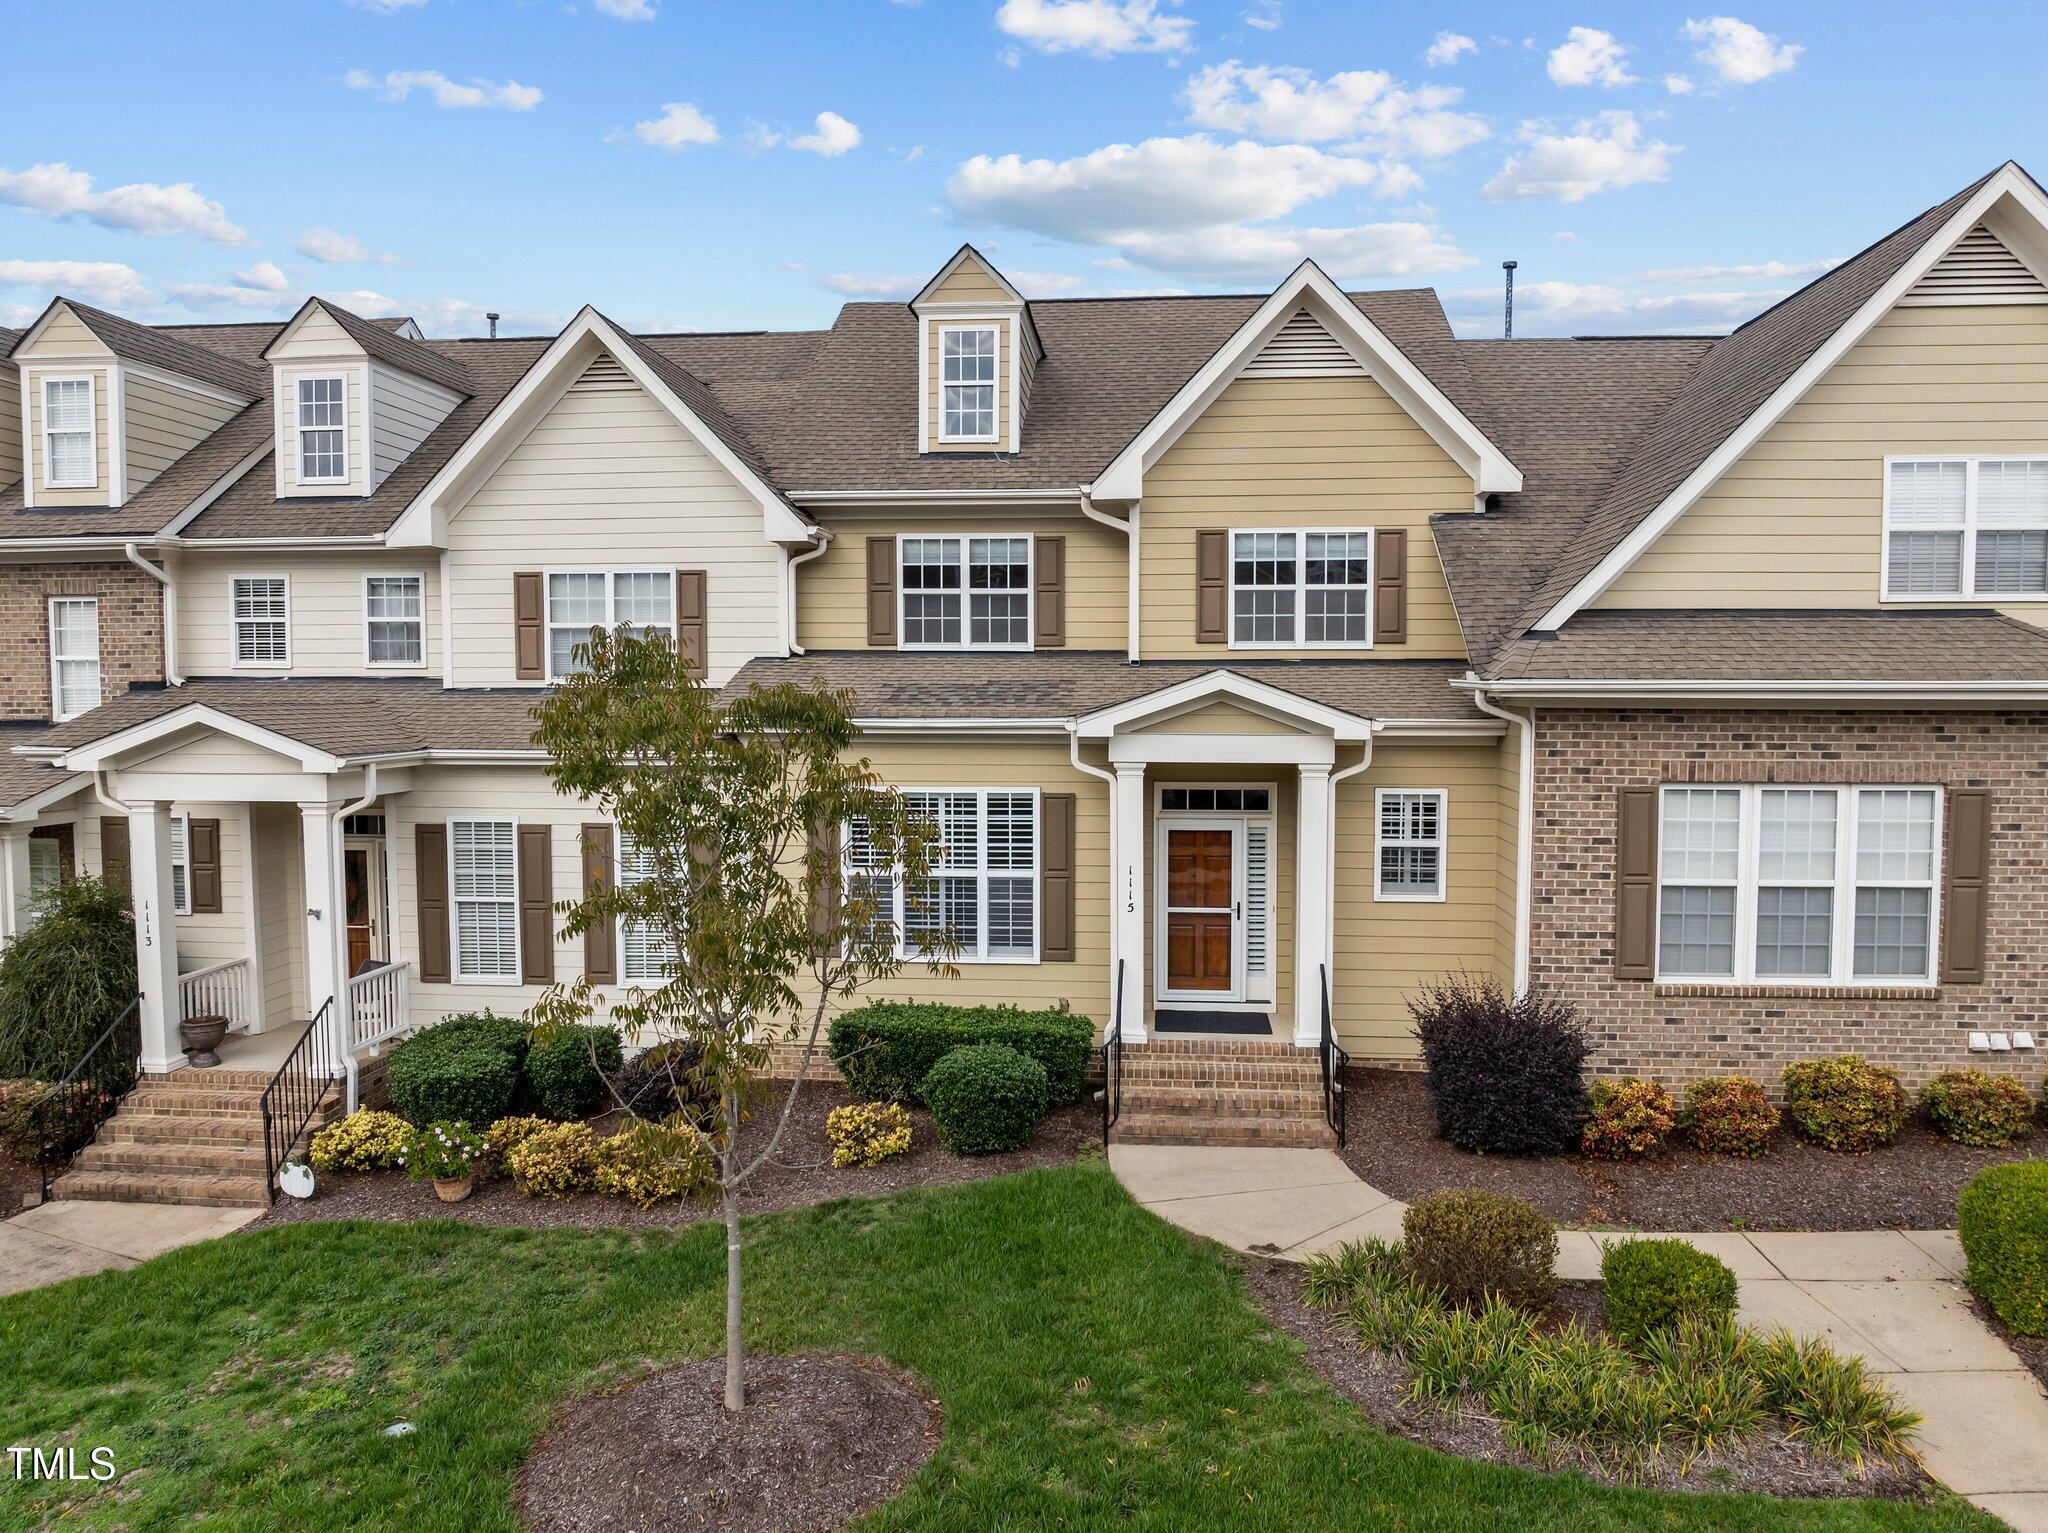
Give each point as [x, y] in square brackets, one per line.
[1507, 1074]
[885, 1050]
[986, 1098]
[1653, 1285]
[1471, 1245]
[2002, 1218]
[1844, 1102]
[467, 1069]
[567, 1072]
[1975, 1107]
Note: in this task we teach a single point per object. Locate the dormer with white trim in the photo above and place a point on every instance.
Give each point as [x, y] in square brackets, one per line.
[977, 353]
[353, 400]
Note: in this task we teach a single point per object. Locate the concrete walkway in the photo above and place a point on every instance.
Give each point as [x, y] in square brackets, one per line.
[1895, 1298]
[63, 1240]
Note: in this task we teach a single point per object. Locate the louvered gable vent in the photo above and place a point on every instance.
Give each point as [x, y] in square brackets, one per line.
[1302, 348]
[603, 376]
[1980, 269]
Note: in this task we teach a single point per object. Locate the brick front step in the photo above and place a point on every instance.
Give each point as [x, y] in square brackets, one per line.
[127, 1127]
[201, 1159]
[1229, 1103]
[1224, 1075]
[1163, 1128]
[222, 1079]
[161, 1187]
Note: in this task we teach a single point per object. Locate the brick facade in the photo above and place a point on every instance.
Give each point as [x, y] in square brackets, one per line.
[131, 614]
[1679, 1033]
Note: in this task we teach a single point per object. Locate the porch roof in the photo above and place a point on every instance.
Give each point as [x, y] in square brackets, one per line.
[25, 779]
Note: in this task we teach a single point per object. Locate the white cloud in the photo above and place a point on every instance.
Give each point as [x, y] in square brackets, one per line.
[263, 277]
[101, 282]
[451, 316]
[1099, 28]
[871, 285]
[398, 84]
[1046, 284]
[340, 249]
[1601, 154]
[386, 7]
[1263, 254]
[831, 136]
[1448, 48]
[211, 297]
[1582, 307]
[1680, 85]
[1265, 15]
[1738, 53]
[679, 126]
[1366, 106]
[142, 207]
[627, 10]
[17, 316]
[1589, 56]
[1765, 269]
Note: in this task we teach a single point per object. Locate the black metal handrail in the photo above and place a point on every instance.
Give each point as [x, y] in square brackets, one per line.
[293, 1096]
[88, 1094]
[1334, 1061]
[1113, 1059]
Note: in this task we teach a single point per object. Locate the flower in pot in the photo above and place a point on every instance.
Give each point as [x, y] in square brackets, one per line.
[446, 1155]
[201, 1035]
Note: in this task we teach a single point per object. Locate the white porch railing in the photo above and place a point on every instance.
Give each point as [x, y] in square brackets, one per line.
[218, 990]
[378, 1005]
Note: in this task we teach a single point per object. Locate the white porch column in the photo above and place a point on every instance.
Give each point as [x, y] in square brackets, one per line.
[1311, 900]
[156, 935]
[325, 966]
[1127, 894]
[14, 880]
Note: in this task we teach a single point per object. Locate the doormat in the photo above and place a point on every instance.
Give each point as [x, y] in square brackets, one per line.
[1253, 1023]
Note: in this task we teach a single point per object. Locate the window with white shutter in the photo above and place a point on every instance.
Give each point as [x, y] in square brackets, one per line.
[70, 446]
[1965, 527]
[74, 656]
[484, 888]
[1409, 863]
[181, 864]
[982, 886]
[646, 955]
[262, 620]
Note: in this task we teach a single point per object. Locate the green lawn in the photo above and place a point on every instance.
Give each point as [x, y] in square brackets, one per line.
[1097, 1369]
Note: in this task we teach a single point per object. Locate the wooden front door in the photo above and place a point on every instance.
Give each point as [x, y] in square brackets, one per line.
[1201, 880]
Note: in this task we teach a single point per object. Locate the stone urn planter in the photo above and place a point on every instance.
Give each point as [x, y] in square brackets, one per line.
[201, 1036]
[453, 1189]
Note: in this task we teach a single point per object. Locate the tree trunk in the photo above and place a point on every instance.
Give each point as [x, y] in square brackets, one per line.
[735, 1354]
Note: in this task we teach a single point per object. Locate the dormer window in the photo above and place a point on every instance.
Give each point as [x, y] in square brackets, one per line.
[69, 452]
[967, 357]
[323, 430]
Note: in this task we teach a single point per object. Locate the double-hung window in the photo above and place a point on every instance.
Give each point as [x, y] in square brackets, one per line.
[323, 430]
[1301, 589]
[262, 620]
[982, 886]
[1966, 527]
[965, 592]
[74, 656]
[646, 955]
[484, 888]
[581, 600]
[181, 863]
[70, 451]
[1798, 884]
[394, 620]
[1410, 863]
[967, 380]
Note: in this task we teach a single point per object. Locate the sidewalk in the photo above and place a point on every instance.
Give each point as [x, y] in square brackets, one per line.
[55, 1241]
[1894, 1297]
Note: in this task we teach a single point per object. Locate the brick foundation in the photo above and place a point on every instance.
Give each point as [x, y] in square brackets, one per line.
[131, 614]
[1679, 1033]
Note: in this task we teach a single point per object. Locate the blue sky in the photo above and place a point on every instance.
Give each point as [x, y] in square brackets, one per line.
[685, 164]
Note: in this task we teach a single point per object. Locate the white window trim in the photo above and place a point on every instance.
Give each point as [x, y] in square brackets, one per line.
[235, 659]
[1301, 588]
[57, 713]
[994, 385]
[619, 923]
[392, 665]
[1842, 951]
[455, 902]
[182, 819]
[1967, 588]
[299, 430]
[981, 873]
[611, 573]
[92, 432]
[1442, 845]
[965, 539]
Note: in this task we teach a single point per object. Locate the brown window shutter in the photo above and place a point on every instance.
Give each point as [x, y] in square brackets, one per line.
[1635, 885]
[1967, 884]
[1056, 877]
[1390, 586]
[430, 878]
[825, 839]
[529, 627]
[692, 632]
[1049, 600]
[202, 866]
[882, 592]
[601, 939]
[1212, 586]
[114, 853]
[536, 905]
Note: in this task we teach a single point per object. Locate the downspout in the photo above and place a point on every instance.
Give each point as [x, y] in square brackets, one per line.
[342, 1021]
[1109, 779]
[1525, 827]
[1330, 873]
[163, 578]
[789, 563]
[1130, 531]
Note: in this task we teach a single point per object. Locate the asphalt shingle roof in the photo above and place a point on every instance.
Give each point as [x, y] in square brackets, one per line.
[165, 349]
[386, 345]
[23, 777]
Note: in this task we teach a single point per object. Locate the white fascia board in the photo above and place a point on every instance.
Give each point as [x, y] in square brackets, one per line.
[100, 753]
[2008, 187]
[1650, 689]
[931, 726]
[1491, 471]
[1221, 685]
[33, 806]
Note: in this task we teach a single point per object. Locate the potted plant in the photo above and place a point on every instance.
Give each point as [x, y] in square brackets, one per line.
[446, 1155]
[201, 1035]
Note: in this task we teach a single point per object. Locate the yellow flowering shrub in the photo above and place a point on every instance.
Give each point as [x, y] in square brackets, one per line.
[867, 1133]
[556, 1162]
[507, 1135]
[366, 1140]
[652, 1163]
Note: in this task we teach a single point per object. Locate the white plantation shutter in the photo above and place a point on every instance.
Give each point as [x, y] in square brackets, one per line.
[1258, 898]
[74, 655]
[2012, 527]
[68, 432]
[1933, 497]
[1012, 842]
[647, 956]
[485, 890]
[181, 868]
[262, 626]
[985, 873]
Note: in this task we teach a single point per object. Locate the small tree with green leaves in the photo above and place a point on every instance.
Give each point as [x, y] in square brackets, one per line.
[68, 974]
[731, 810]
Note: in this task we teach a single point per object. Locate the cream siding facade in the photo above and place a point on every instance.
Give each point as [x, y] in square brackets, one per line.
[935, 327]
[325, 595]
[404, 411]
[12, 464]
[101, 492]
[163, 422]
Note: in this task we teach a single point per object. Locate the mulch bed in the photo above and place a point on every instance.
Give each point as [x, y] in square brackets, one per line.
[18, 1181]
[2032, 1350]
[823, 1440]
[801, 1173]
[1377, 1384]
[1912, 1185]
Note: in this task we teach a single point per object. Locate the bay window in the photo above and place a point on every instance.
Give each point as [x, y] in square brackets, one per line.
[579, 601]
[965, 592]
[1820, 885]
[1965, 527]
[1300, 589]
[982, 886]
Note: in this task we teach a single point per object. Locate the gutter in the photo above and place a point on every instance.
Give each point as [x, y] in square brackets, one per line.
[1130, 531]
[1525, 823]
[1330, 865]
[789, 563]
[172, 674]
[332, 908]
[1115, 860]
[1648, 689]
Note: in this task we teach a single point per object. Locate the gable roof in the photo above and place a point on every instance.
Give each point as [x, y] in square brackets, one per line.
[959, 257]
[384, 344]
[157, 348]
